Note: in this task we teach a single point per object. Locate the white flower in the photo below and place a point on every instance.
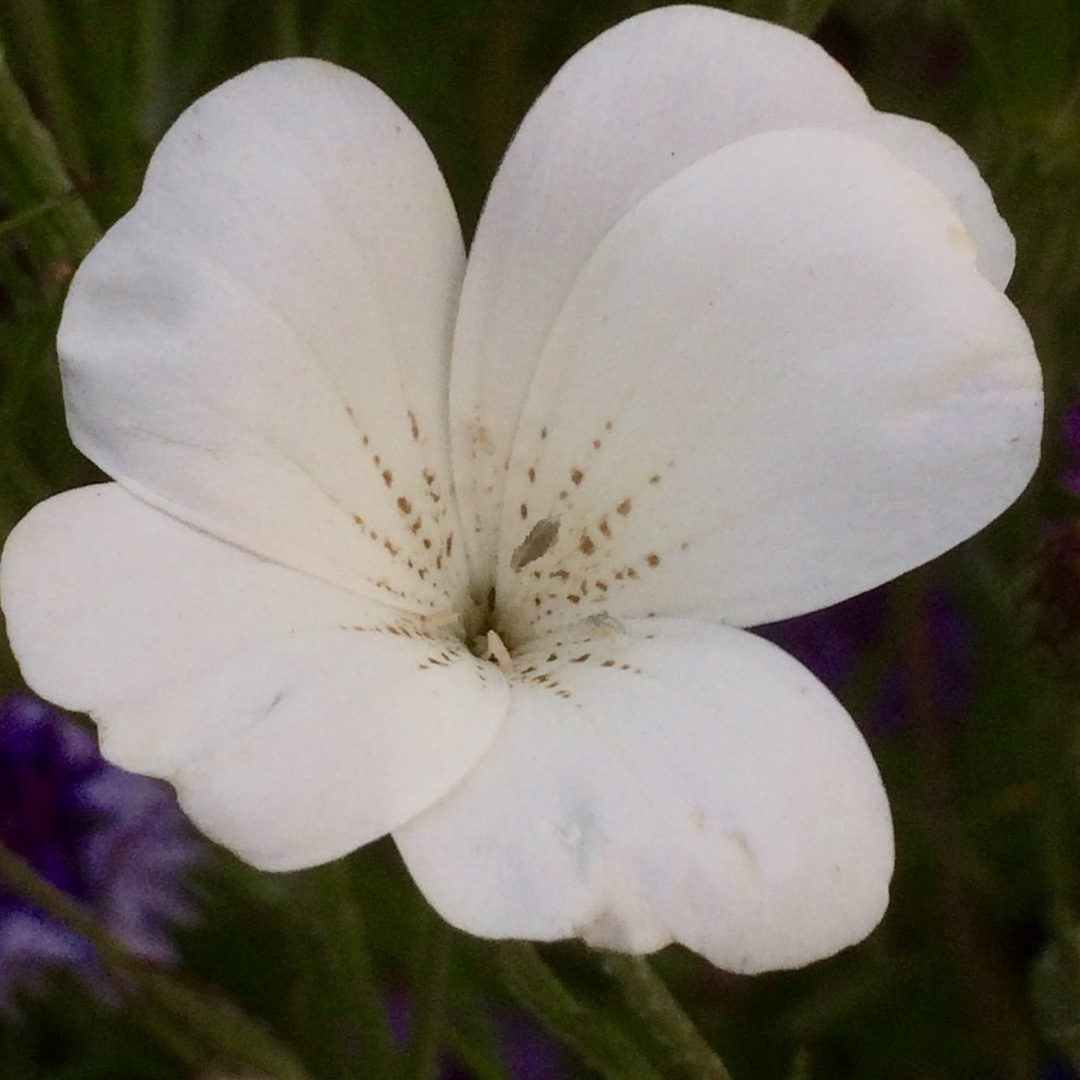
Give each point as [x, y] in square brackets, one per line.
[729, 346]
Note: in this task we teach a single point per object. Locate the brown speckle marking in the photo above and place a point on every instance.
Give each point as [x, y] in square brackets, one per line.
[623, 508]
[576, 475]
[581, 659]
[358, 520]
[349, 412]
[652, 559]
[532, 476]
[605, 528]
[586, 545]
[654, 479]
[414, 426]
[608, 663]
[388, 478]
[543, 433]
[596, 444]
[404, 505]
[365, 440]
[524, 511]
[390, 547]
[540, 538]
[609, 425]
[573, 598]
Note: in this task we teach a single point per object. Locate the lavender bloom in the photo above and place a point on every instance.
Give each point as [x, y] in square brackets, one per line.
[1070, 436]
[830, 643]
[113, 841]
[1057, 1070]
[527, 1052]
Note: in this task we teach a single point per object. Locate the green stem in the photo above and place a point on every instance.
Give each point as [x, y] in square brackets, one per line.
[805, 16]
[473, 1038]
[430, 1004]
[39, 41]
[345, 940]
[151, 67]
[603, 1047]
[648, 996]
[182, 1016]
[997, 1015]
[40, 162]
[286, 23]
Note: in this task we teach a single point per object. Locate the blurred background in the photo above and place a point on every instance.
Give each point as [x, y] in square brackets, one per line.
[965, 676]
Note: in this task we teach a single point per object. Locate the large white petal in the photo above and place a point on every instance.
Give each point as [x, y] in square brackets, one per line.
[779, 381]
[298, 719]
[628, 112]
[695, 785]
[261, 345]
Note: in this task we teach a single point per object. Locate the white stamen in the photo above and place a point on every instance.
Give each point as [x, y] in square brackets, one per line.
[500, 653]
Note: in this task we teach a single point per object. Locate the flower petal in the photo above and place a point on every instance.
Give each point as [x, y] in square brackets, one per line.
[345, 737]
[297, 719]
[260, 346]
[685, 783]
[628, 112]
[778, 382]
[947, 166]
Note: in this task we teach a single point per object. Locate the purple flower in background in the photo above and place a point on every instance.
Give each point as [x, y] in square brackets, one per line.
[831, 642]
[1057, 1070]
[527, 1053]
[1070, 436]
[113, 841]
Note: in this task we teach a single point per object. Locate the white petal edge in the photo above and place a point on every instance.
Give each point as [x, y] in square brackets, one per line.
[632, 109]
[703, 788]
[779, 381]
[261, 345]
[297, 720]
[946, 165]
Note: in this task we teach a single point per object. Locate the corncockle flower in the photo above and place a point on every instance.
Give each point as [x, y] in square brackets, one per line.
[113, 841]
[461, 551]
